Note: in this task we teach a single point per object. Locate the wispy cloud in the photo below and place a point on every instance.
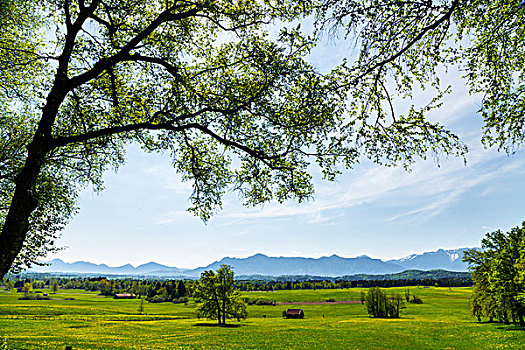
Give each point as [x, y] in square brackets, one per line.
[171, 217]
[428, 189]
[454, 190]
[318, 218]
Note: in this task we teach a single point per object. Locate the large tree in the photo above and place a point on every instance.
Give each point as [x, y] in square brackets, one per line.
[218, 298]
[498, 271]
[226, 88]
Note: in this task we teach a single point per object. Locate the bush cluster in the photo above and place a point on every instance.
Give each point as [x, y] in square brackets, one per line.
[159, 298]
[181, 300]
[415, 300]
[378, 305]
[259, 301]
[34, 297]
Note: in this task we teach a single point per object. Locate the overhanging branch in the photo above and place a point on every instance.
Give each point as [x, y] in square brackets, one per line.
[140, 58]
[263, 157]
[90, 135]
[123, 54]
[411, 43]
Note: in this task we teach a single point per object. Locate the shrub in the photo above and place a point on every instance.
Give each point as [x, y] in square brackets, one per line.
[259, 301]
[182, 300]
[34, 297]
[415, 300]
[331, 300]
[157, 299]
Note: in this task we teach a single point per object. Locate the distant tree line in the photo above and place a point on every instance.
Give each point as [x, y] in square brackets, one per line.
[179, 290]
[340, 284]
[176, 290]
[405, 275]
[152, 290]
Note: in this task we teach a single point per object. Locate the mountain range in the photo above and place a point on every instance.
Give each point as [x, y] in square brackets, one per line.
[260, 264]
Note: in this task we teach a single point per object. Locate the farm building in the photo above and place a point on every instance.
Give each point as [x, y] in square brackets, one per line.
[294, 313]
[124, 296]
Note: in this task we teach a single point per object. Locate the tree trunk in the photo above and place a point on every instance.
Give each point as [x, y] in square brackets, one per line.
[218, 303]
[223, 311]
[520, 317]
[24, 201]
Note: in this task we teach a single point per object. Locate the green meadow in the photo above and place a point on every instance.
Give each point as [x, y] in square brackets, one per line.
[91, 321]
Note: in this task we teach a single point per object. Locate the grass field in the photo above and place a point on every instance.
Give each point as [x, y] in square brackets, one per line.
[94, 322]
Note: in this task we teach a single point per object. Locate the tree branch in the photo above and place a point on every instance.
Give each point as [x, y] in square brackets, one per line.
[411, 43]
[106, 24]
[167, 125]
[263, 157]
[69, 24]
[105, 63]
[9, 47]
[137, 57]
[235, 28]
[71, 34]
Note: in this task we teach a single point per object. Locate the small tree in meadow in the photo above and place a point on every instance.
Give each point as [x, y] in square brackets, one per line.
[141, 306]
[394, 304]
[27, 288]
[218, 297]
[54, 287]
[376, 302]
[378, 305]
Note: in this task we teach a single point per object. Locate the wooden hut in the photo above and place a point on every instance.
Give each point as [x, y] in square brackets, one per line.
[294, 313]
[124, 296]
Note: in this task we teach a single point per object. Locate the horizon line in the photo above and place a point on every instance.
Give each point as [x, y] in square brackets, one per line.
[250, 256]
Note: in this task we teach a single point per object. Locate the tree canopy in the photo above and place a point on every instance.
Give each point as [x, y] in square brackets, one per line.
[227, 89]
[218, 298]
[498, 271]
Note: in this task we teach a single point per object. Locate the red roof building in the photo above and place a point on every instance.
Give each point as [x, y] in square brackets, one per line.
[124, 296]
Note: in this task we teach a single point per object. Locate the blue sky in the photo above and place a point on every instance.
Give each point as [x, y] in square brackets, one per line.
[378, 211]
